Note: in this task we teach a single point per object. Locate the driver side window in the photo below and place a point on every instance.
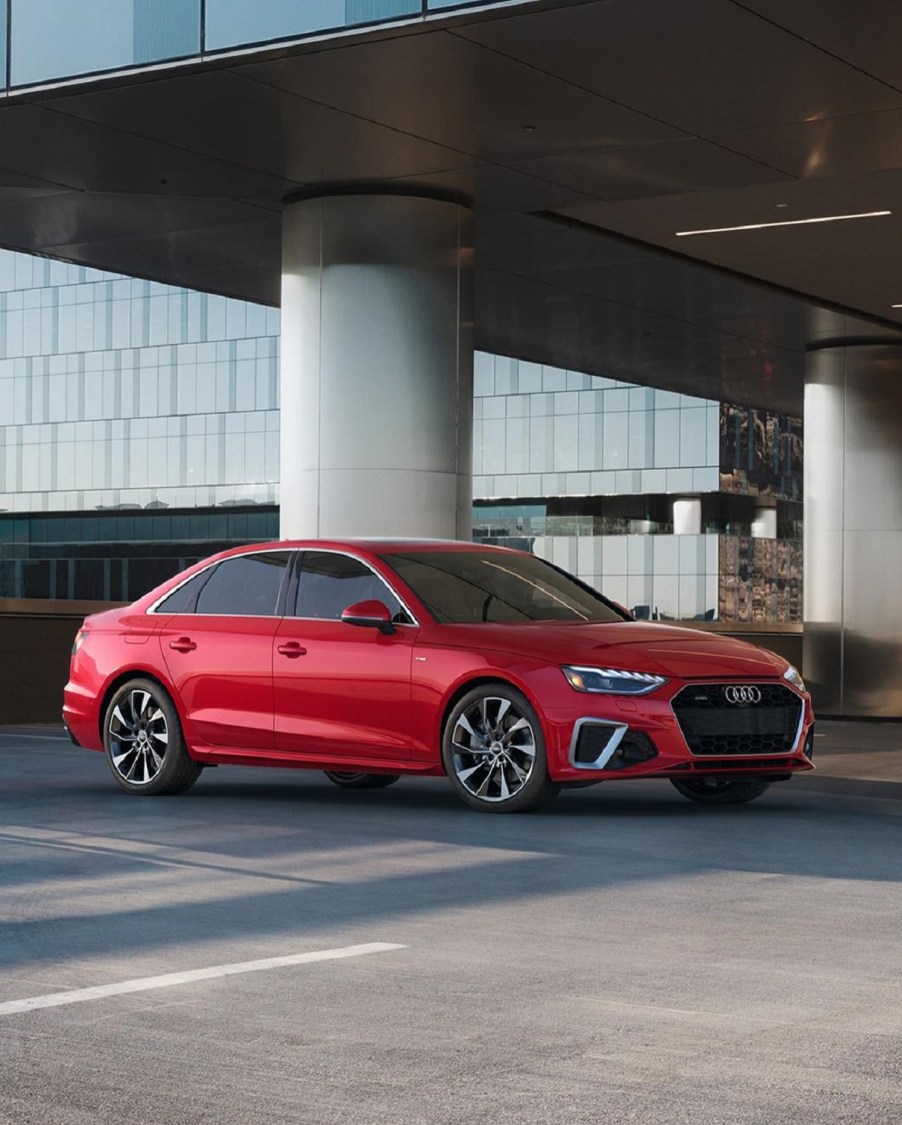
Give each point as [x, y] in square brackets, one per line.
[329, 583]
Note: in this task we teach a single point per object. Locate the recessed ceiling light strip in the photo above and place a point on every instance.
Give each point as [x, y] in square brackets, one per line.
[784, 223]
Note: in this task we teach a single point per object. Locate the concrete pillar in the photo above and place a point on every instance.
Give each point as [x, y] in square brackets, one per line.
[764, 525]
[853, 529]
[687, 517]
[376, 367]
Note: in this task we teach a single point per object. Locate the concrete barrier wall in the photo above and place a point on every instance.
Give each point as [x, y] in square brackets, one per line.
[36, 640]
[35, 643]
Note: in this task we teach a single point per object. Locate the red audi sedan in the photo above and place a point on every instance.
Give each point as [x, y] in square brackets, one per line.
[374, 659]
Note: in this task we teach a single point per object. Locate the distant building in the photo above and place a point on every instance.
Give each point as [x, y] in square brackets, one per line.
[139, 430]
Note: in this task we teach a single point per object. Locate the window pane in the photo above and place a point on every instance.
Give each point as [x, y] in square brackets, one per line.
[2, 44]
[329, 583]
[247, 586]
[54, 40]
[182, 600]
[471, 586]
[233, 22]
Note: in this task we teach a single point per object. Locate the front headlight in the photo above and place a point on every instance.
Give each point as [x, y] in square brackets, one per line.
[611, 681]
[794, 677]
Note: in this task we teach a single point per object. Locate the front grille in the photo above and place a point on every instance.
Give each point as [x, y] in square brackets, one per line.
[713, 725]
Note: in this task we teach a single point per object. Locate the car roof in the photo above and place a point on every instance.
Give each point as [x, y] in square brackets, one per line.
[372, 545]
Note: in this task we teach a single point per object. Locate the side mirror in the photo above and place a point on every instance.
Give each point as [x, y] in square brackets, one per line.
[370, 614]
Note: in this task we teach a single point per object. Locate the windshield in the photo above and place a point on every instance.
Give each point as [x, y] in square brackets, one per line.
[472, 586]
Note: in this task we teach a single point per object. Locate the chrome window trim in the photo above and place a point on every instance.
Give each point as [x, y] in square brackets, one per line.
[412, 624]
[151, 610]
[748, 757]
[602, 760]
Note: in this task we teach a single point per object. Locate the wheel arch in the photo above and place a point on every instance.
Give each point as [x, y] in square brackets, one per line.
[474, 681]
[122, 678]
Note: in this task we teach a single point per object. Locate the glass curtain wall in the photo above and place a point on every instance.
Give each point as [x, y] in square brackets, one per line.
[50, 40]
[119, 393]
[230, 23]
[139, 429]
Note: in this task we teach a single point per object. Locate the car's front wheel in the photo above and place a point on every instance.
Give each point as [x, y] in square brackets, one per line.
[493, 751]
[347, 780]
[143, 740]
[719, 791]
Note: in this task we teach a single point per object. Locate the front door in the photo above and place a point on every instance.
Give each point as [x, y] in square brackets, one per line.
[342, 691]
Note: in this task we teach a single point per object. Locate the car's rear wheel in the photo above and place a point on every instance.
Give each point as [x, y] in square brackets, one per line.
[719, 791]
[493, 750]
[347, 780]
[143, 740]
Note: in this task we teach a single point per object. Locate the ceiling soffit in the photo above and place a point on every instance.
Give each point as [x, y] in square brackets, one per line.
[636, 117]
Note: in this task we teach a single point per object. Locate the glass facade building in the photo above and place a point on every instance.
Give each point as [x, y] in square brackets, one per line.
[587, 471]
[123, 393]
[139, 431]
[45, 41]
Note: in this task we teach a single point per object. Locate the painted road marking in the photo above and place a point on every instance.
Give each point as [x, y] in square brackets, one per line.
[168, 980]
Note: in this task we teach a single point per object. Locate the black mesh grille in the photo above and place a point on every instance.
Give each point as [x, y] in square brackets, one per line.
[593, 738]
[713, 725]
[635, 747]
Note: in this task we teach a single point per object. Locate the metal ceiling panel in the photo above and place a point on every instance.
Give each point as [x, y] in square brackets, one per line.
[463, 95]
[256, 128]
[868, 36]
[836, 146]
[849, 263]
[52, 225]
[645, 171]
[532, 320]
[49, 144]
[703, 66]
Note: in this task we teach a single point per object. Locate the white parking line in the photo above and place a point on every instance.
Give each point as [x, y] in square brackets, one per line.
[167, 980]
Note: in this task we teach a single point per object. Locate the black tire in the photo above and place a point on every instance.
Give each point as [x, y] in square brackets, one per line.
[719, 791]
[497, 761]
[143, 740]
[347, 780]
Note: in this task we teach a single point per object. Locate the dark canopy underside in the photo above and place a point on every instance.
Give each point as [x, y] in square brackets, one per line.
[587, 135]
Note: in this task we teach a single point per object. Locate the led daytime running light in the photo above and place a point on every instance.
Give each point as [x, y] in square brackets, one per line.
[618, 681]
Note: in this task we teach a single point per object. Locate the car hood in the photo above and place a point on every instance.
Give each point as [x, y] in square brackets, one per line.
[634, 646]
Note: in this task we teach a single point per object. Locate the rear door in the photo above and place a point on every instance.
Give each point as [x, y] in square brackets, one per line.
[218, 651]
[342, 691]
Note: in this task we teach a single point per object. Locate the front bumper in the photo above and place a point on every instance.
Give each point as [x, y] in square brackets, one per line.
[615, 737]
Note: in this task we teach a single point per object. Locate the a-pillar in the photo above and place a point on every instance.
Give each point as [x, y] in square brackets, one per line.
[376, 367]
[853, 529]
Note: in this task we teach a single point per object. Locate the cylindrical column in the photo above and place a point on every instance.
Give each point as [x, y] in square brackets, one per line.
[687, 516]
[376, 367]
[853, 529]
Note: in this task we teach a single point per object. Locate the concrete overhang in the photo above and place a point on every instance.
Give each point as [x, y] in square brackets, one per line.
[587, 134]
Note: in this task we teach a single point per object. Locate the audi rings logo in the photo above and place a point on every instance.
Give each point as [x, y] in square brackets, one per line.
[742, 694]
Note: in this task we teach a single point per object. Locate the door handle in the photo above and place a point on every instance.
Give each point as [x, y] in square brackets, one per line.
[292, 649]
[183, 644]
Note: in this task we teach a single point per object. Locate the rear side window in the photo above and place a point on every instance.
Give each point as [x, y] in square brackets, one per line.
[245, 586]
[183, 599]
[329, 583]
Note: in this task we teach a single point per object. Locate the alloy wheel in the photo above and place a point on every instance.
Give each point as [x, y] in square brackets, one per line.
[493, 749]
[138, 737]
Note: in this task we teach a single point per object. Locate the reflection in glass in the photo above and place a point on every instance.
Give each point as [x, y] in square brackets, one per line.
[53, 40]
[231, 23]
[3, 42]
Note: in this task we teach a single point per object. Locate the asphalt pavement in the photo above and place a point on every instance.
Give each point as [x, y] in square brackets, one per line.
[267, 948]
